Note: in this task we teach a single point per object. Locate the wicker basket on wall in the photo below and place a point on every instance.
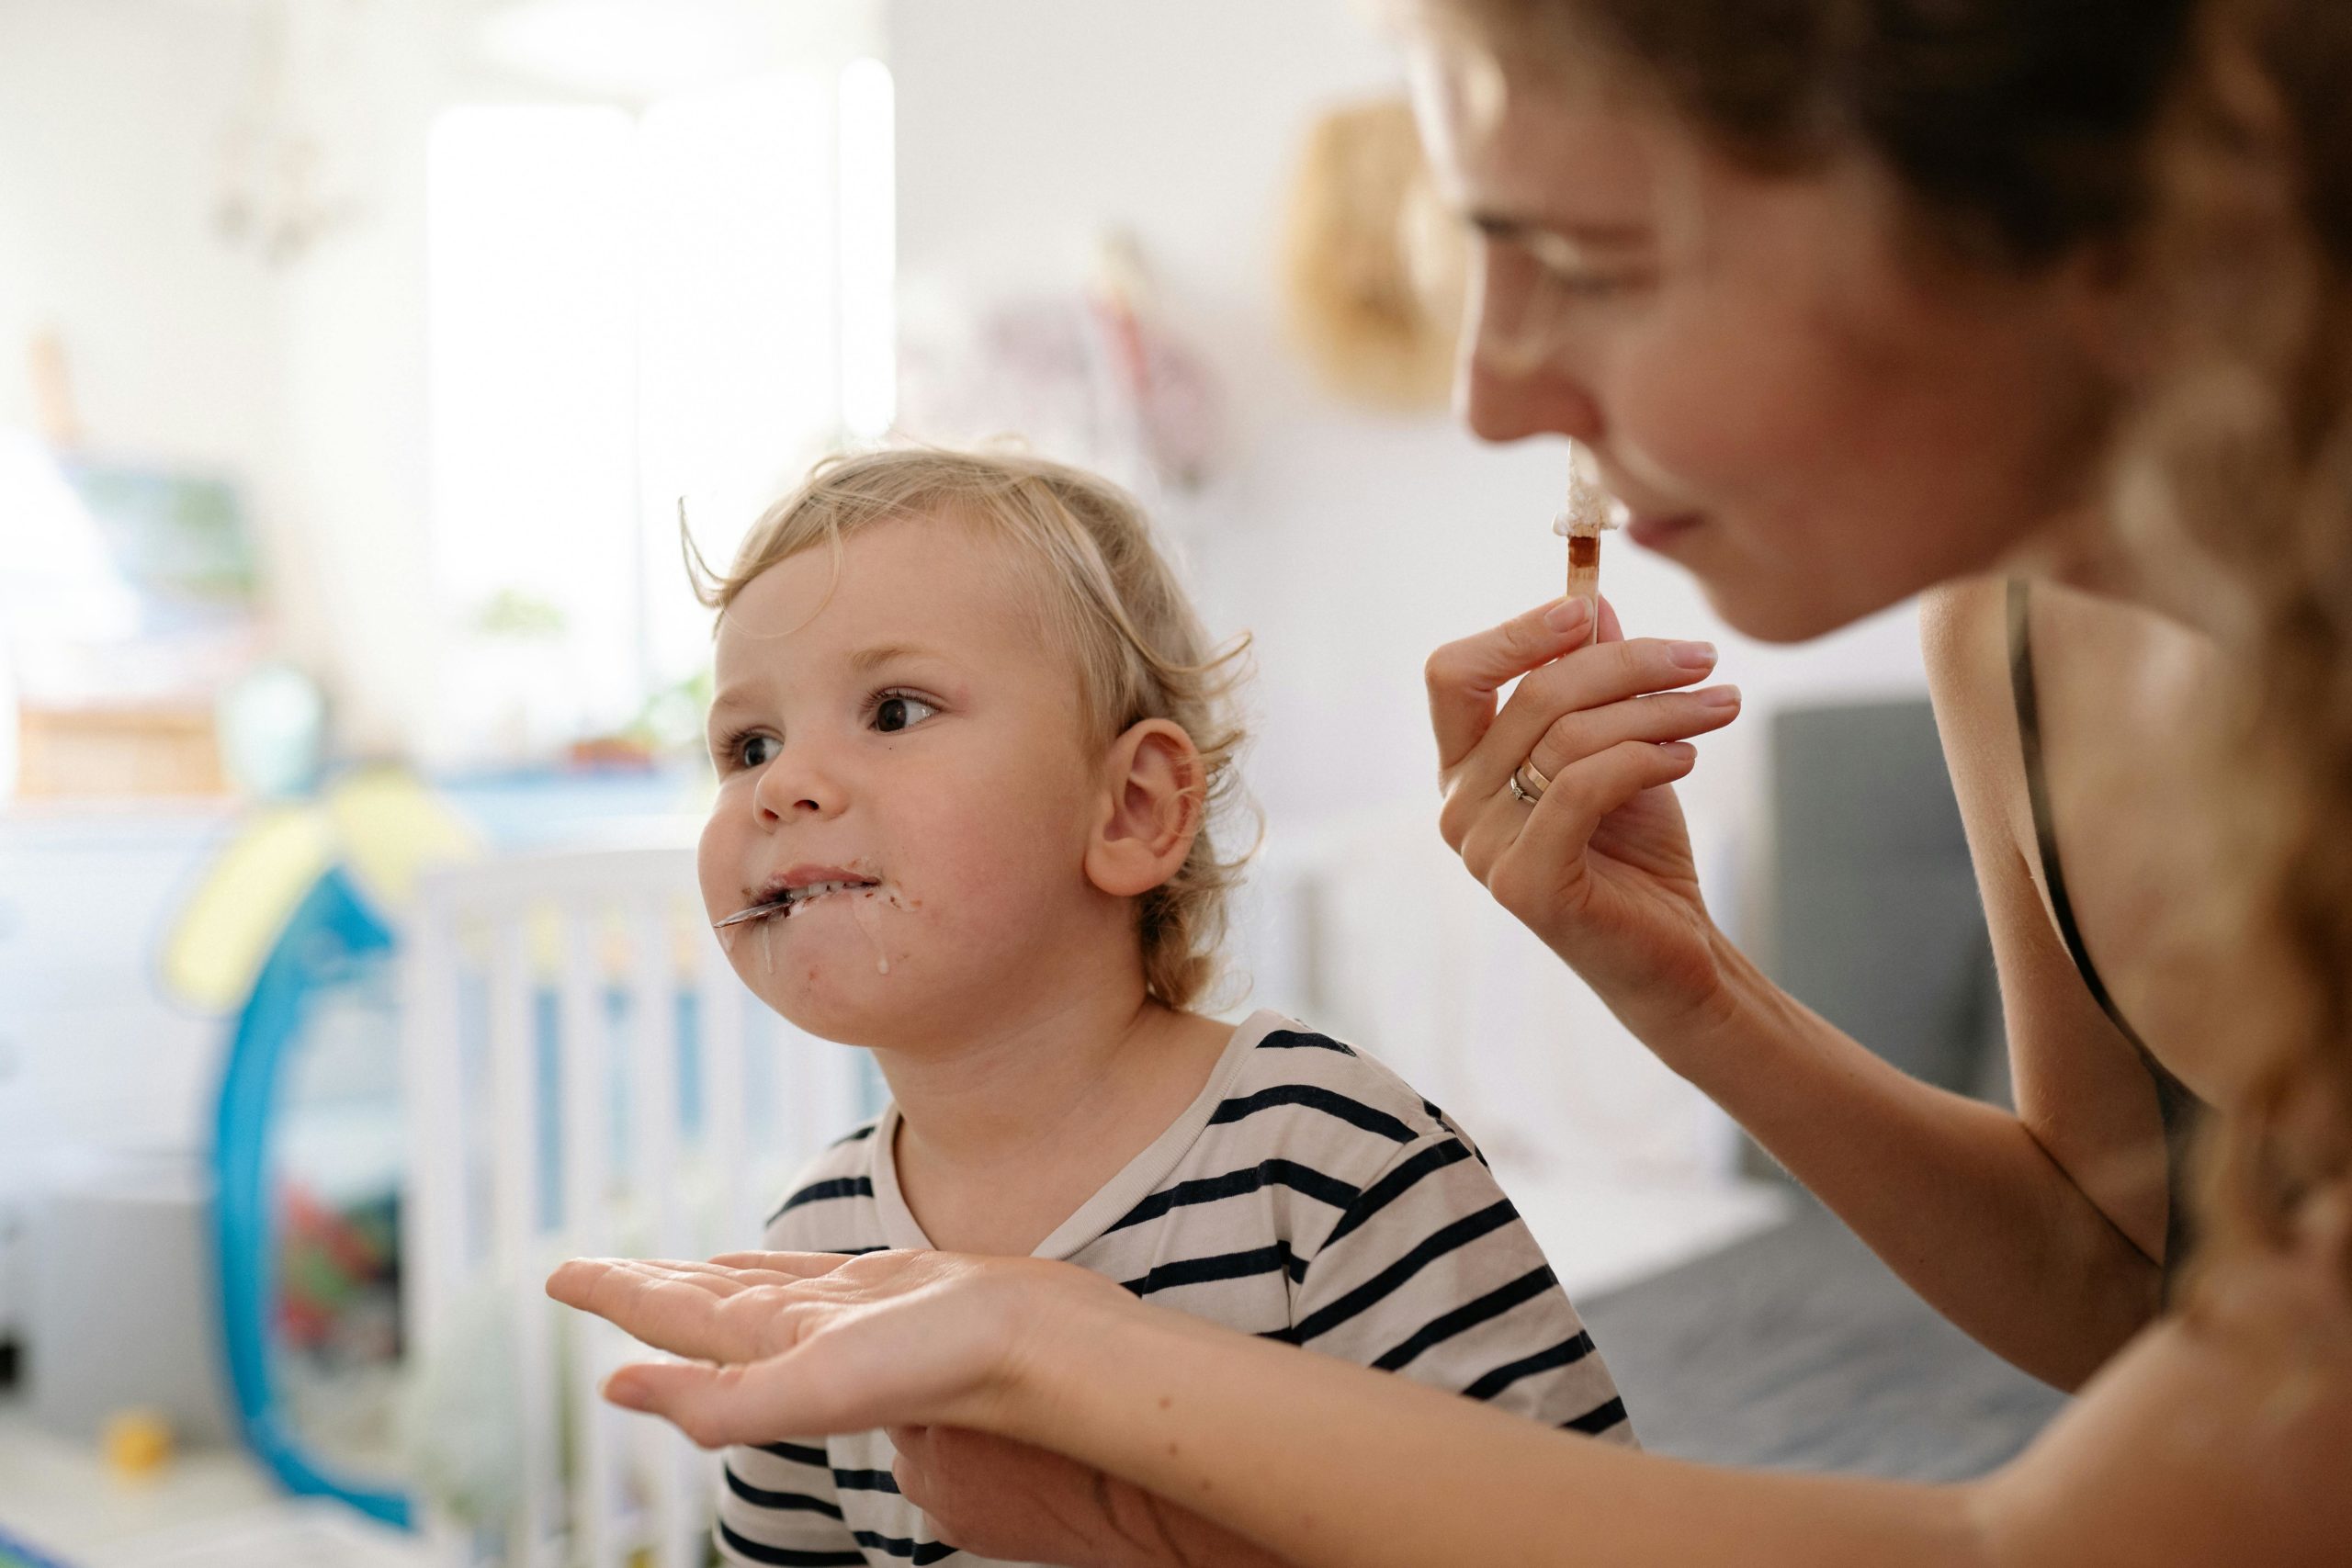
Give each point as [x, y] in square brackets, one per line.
[1374, 268]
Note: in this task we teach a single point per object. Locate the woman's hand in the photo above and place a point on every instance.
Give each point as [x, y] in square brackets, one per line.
[815, 1344]
[919, 1342]
[1011, 1501]
[1600, 867]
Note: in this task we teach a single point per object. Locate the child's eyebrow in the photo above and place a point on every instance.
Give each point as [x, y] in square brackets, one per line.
[866, 659]
[726, 699]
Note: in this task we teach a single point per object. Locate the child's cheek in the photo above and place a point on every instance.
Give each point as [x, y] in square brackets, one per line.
[717, 868]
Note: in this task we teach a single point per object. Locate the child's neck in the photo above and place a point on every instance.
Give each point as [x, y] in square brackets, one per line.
[1008, 1132]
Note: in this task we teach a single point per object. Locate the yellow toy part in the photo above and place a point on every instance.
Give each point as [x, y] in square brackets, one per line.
[391, 829]
[380, 823]
[217, 946]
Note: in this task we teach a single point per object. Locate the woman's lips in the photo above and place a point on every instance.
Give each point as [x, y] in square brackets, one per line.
[1656, 533]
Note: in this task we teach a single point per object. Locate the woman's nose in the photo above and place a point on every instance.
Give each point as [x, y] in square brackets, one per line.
[1514, 379]
[1509, 402]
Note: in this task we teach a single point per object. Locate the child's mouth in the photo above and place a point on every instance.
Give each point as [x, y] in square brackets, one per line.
[787, 900]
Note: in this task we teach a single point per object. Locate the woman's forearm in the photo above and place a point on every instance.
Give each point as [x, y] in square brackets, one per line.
[1955, 1195]
[1330, 1465]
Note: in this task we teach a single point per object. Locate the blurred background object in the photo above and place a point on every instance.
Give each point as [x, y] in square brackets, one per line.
[1376, 268]
[362, 358]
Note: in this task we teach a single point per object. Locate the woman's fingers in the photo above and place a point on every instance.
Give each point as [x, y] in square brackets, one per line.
[671, 1308]
[1508, 844]
[1463, 677]
[713, 1405]
[1669, 717]
[1563, 822]
[1593, 677]
[1584, 681]
[793, 1265]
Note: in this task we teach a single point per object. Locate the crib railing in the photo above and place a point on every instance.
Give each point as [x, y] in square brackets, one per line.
[586, 1074]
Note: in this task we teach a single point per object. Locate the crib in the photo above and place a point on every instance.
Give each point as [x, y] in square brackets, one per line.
[584, 1075]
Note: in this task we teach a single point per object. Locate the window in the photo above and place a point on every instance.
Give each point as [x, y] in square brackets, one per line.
[627, 310]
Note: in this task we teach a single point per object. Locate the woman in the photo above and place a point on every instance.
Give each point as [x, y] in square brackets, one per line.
[1850, 299]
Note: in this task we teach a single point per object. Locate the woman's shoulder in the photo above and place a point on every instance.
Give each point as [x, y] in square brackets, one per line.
[1964, 645]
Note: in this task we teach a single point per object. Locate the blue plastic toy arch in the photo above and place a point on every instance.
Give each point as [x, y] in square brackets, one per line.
[331, 916]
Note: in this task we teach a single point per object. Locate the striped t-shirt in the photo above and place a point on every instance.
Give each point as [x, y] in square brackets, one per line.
[1307, 1195]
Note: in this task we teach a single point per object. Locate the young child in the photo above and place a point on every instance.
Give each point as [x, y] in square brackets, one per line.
[970, 745]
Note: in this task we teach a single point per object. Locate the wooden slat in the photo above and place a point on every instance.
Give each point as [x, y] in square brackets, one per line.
[516, 1110]
[726, 1103]
[588, 1229]
[433, 1227]
[654, 1122]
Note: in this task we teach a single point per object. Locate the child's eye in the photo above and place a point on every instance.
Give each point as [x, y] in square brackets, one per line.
[753, 751]
[894, 711]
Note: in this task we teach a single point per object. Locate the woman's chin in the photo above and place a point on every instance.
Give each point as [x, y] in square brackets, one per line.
[1798, 614]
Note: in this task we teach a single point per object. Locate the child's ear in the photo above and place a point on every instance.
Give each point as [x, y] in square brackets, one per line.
[1151, 811]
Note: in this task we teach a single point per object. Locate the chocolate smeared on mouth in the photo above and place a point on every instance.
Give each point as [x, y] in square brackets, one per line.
[791, 899]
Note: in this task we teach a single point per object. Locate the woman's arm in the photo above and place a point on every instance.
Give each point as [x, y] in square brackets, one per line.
[1958, 1197]
[1328, 1463]
[2217, 1440]
[1022, 1504]
[1318, 1462]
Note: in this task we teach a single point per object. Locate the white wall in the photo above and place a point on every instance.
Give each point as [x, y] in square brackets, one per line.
[304, 380]
[111, 112]
[105, 175]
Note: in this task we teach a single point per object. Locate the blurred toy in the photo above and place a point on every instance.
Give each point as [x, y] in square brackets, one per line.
[337, 1277]
[15, 1553]
[136, 1443]
[292, 925]
[380, 823]
[1103, 374]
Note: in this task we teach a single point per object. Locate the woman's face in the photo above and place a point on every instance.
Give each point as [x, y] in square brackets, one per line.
[1793, 401]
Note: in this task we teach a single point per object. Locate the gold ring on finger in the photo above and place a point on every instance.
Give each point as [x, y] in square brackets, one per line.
[1527, 783]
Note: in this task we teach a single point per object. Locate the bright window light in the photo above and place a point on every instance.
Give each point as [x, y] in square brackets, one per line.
[629, 310]
[532, 274]
[868, 250]
[740, 386]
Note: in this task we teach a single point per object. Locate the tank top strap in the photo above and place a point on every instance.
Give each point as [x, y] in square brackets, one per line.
[2178, 1105]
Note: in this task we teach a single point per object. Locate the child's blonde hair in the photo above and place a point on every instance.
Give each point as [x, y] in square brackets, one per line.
[1114, 603]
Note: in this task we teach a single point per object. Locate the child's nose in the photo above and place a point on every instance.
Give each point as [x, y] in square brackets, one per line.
[799, 784]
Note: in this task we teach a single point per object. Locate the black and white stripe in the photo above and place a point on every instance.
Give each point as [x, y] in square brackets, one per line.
[1308, 1195]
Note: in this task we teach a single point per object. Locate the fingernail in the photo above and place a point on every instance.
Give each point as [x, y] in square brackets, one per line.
[1678, 748]
[1568, 615]
[1691, 655]
[1718, 697]
[628, 1396]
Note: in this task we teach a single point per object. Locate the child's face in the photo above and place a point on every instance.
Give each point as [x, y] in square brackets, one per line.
[920, 736]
